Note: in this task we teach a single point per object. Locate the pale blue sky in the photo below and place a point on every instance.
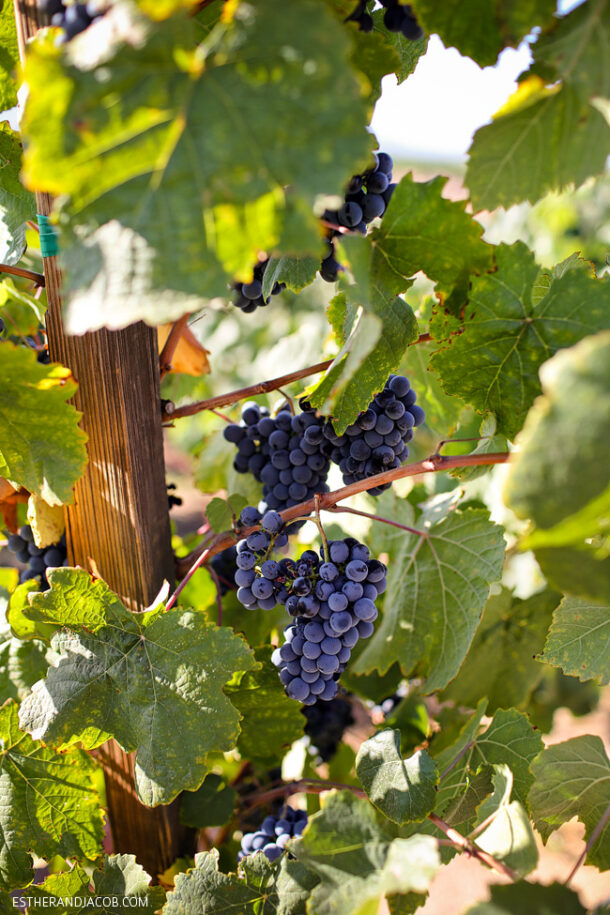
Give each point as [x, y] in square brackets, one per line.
[434, 114]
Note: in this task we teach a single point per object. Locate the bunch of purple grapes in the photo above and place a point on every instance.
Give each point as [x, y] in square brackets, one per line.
[250, 295]
[286, 453]
[37, 558]
[274, 834]
[366, 198]
[333, 605]
[326, 724]
[260, 579]
[397, 18]
[73, 18]
[377, 439]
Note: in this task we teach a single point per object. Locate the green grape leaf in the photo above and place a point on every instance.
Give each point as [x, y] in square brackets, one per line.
[554, 899]
[579, 640]
[211, 805]
[219, 514]
[482, 29]
[572, 779]
[205, 890]
[437, 587]
[296, 272]
[341, 317]
[422, 230]
[21, 665]
[10, 56]
[552, 491]
[118, 886]
[508, 835]
[403, 789]
[379, 52]
[576, 570]
[270, 720]
[294, 885]
[357, 862]
[442, 409]
[41, 445]
[501, 663]
[541, 146]
[243, 113]
[509, 740]
[382, 327]
[493, 364]
[49, 804]
[132, 676]
[21, 312]
[408, 51]
[463, 807]
[577, 48]
[16, 204]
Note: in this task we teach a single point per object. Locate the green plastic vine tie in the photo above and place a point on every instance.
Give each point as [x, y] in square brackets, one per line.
[49, 246]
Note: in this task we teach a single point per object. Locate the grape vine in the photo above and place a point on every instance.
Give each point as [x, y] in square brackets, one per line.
[320, 691]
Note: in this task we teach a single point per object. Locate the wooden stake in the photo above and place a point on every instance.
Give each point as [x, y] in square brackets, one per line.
[120, 517]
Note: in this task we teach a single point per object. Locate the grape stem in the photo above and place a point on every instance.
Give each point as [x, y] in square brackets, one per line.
[455, 761]
[171, 344]
[186, 566]
[37, 278]
[316, 786]
[471, 849]
[320, 527]
[356, 511]
[263, 387]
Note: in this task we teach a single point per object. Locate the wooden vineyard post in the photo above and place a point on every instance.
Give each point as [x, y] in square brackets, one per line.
[119, 518]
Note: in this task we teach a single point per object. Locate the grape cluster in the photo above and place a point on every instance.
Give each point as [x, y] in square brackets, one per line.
[377, 439]
[326, 724]
[362, 16]
[38, 559]
[333, 603]
[250, 295]
[397, 18]
[259, 579]
[224, 566]
[286, 453]
[401, 18]
[366, 198]
[274, 834]
[73, 18]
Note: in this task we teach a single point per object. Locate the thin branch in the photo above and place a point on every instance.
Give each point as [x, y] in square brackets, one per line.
[171, 344]
[356, 511]
[199, 561]
[37, 278]
[592, 840]
[264, 387]
[465, 845]
[454, 762]
[187, 565]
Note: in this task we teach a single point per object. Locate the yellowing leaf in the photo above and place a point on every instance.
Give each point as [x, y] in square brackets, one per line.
[46, 521]
[190, 357]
